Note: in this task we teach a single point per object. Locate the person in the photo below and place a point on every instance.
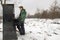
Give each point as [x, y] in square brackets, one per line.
[21, 20]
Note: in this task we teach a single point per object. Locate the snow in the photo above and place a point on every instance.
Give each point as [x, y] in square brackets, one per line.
[1, 29]
[40, 29]
[1, 26]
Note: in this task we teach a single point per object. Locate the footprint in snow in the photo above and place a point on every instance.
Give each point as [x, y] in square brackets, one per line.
[30, 31]
[49, 34]
[39, 32]
[55, 33]
[58, 28]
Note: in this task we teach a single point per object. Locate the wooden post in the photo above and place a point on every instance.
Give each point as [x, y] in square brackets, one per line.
[9, 31]
[1, 2]
[4, 1]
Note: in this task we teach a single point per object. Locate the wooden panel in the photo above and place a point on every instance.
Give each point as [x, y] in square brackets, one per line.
[9, 31]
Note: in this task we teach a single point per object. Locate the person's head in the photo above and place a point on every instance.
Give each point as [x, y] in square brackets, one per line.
[21, 7]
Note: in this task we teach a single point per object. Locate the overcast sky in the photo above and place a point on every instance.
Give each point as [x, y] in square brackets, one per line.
[32, 5]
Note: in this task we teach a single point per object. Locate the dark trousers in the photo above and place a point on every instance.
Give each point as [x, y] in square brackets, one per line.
[20, 26]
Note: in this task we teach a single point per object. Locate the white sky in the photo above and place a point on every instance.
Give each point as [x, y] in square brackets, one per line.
[31, 5]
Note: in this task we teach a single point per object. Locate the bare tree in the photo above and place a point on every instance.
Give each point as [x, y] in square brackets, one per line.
[54, 10]
[4, 1]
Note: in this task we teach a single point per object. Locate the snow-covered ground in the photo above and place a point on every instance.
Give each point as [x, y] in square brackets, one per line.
[40, 29]
[1, 33]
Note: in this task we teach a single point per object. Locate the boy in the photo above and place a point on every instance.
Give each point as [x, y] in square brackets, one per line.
[21, 20]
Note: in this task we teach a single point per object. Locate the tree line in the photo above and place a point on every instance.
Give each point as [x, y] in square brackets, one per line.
[53, 12]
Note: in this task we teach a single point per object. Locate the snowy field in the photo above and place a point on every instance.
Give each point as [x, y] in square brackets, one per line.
[39, 29]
